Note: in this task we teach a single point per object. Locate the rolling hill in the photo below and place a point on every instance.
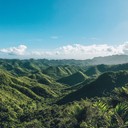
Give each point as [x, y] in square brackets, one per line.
[103, 84]
[64, 93]
[73, 79]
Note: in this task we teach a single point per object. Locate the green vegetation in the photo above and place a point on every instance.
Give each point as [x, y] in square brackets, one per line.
[63, 94]
[74, 79]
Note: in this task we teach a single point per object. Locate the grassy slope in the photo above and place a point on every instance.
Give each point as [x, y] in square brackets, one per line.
[73, 79]
[104, 83]
[27, 89]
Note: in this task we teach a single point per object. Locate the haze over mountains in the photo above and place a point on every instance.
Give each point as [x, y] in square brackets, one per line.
[64, 93]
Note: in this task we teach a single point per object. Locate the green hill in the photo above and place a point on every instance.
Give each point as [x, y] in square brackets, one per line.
[99, 69]
[59, 71]
[73, 79]
[103, 84]
[47, 93]
[92, 71]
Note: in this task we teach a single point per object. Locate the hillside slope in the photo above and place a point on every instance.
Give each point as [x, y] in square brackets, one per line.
[73, 79]
[103, 84]
[47, 94]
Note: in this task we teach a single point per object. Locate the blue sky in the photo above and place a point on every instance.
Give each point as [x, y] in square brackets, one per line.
[49, 25]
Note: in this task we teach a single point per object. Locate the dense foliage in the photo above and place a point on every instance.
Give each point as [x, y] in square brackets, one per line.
[63, 94]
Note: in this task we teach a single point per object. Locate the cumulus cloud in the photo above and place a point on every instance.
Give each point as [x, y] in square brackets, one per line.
[78, 51]
[75, 51]
[20, 50]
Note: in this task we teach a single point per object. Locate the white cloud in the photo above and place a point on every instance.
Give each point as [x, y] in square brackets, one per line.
[75, 51]
[20, 50]
[78, 51]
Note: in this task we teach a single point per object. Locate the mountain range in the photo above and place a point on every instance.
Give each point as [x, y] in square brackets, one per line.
[64, 93]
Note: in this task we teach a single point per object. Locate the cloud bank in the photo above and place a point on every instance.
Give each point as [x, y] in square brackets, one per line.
[75, 51]
[78, 51]
[20, 50]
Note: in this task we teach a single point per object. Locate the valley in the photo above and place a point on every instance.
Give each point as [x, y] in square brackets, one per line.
[41, 93]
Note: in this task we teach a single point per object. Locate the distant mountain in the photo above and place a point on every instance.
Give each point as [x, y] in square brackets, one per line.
[36, 64]
[99, 69]
[104, 83]
[109, 60]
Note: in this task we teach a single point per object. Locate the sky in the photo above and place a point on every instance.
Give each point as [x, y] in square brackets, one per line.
[63, 29]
